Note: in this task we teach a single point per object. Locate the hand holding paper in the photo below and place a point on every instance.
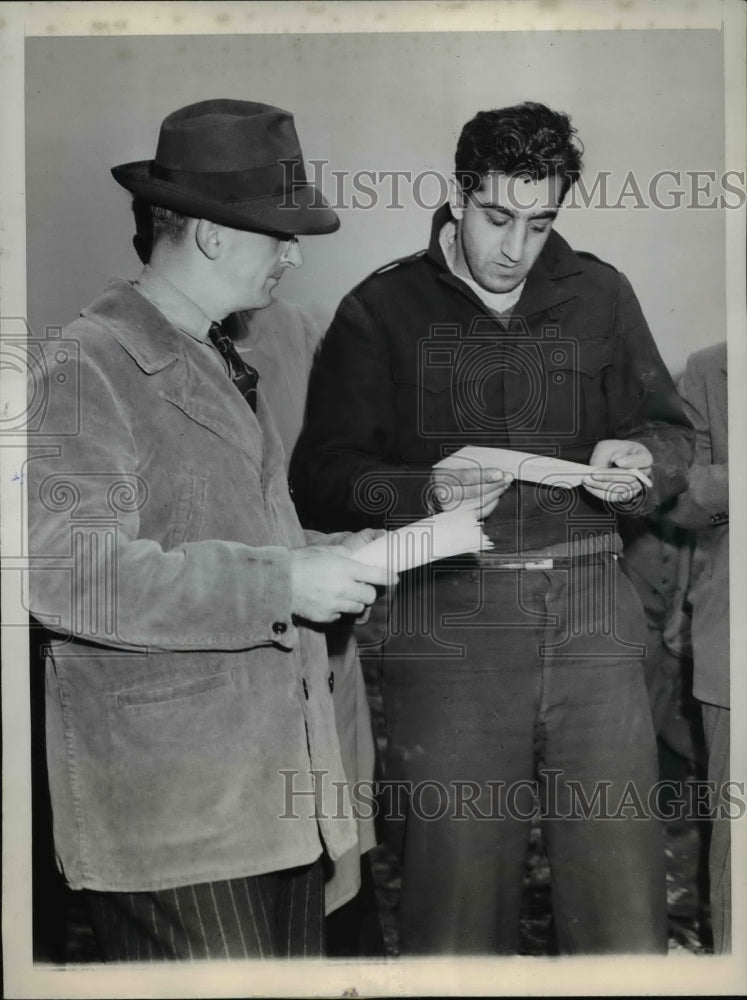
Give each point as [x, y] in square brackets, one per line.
[451, 533]
[327, 582]
[622, 484]
[469, 486]
[624, 460]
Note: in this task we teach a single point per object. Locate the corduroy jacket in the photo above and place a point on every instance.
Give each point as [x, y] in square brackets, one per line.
[185, 708]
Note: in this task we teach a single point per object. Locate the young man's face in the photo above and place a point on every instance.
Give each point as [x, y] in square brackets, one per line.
[501, 228]
[254, 264]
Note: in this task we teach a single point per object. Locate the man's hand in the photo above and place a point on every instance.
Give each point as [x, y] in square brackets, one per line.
[361, 538]
[617, 486]
[479, 488]
[327, 583]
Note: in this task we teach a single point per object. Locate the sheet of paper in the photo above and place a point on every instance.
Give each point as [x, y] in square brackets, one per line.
[528, 468]
[451, 533]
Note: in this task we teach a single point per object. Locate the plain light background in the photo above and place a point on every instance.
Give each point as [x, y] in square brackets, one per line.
[649, 98]
[642, 101]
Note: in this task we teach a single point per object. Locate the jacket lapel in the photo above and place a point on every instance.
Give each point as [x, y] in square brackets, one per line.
[202, 391]
[543, 292]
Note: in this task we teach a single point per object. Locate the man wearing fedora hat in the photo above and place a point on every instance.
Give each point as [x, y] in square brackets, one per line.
[194, 768]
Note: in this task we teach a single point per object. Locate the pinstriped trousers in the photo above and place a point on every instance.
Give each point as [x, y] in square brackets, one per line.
[278, 915]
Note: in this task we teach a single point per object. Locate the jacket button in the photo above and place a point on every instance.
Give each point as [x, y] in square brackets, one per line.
[279, 628]
[331, 681]
[305, 687]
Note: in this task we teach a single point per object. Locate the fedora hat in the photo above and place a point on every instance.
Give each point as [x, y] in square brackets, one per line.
[237, 163]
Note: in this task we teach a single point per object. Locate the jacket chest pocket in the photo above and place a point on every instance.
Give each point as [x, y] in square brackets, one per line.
[503, 391]
[574, 391]
[446, 407]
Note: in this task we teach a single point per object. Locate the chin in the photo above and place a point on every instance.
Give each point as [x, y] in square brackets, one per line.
[501, 287]
[260, 301]
[497, 283]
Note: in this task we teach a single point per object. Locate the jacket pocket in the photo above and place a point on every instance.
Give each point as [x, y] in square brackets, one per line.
[142, 698]
[176, 749]
[575, 393]
[438, 409]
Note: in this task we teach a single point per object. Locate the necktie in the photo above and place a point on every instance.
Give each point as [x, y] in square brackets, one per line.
[243, 376]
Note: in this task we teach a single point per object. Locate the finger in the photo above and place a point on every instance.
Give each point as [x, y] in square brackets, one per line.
[470, 476]
[351, 608]
[361, 593]
[641, 476]
[614, 493]
[597, 491]
[613, 479]
[485, 491]
[633, 460]
[488, 508]
[473, 491]
[476, 488]
[613, 476]
[363, 573]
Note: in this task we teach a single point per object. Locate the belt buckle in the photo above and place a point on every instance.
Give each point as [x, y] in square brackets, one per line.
[540, 564]
[528, 564]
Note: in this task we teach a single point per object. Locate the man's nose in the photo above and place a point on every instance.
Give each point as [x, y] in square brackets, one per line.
[513, 244]
[292, 255]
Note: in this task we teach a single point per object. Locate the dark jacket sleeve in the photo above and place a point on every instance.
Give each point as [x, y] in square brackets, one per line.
[343, 474]
[644, 404]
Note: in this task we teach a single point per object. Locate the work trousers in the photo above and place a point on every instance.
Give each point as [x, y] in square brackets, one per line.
[278, 915]
[716, 724]
[504, 689]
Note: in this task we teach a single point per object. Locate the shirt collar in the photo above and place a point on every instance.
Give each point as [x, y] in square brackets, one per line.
[181, 311]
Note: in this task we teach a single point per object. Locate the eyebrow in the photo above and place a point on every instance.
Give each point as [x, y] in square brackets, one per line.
[548, 213]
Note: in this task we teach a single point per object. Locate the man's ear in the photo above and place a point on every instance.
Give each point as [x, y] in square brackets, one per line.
[208, 238]
[457, 198]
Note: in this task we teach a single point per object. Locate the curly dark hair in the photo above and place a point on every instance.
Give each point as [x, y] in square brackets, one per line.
[526, 140]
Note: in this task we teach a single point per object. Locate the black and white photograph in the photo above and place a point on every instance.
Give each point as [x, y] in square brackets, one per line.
[368, 498]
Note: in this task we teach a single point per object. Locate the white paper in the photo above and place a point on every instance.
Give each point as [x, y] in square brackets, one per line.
[451, 533]
[529, 468]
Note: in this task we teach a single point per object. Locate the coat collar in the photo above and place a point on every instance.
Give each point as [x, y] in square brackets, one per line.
[171, 356]
[542, 291]
[180, 310]
[140, 328]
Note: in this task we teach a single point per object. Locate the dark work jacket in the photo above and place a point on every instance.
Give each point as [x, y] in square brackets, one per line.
[414, 367]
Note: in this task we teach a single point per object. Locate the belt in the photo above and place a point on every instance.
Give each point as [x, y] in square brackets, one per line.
[556, 562]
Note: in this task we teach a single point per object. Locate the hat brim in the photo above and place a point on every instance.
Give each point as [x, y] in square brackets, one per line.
[303, 211]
